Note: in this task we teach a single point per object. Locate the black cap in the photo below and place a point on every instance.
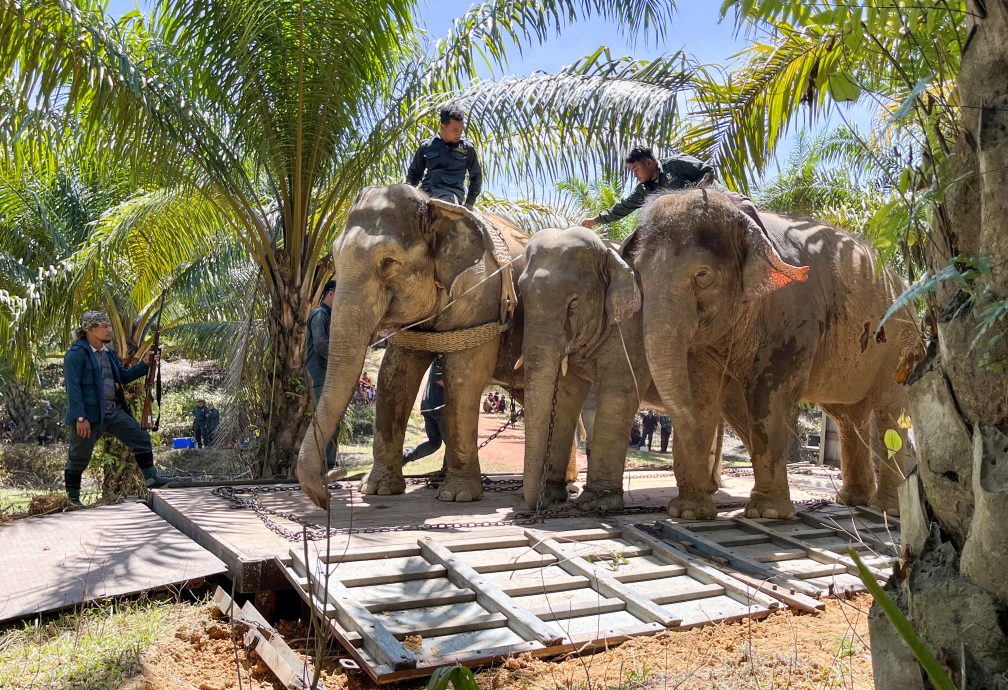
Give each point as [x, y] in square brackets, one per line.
[329, 286]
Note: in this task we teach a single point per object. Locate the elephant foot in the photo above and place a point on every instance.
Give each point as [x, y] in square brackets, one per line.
[887, 502]
[383, 481]
[854, 497]
[552, 493]
[693, 507]
[771, 508]
[600, 501]
[460, 488]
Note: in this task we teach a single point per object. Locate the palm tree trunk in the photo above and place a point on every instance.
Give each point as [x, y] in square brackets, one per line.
[955, 536]
[286, 401]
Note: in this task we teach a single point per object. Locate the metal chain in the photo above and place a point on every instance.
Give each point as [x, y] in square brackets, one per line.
[510, 422]
[314, 532]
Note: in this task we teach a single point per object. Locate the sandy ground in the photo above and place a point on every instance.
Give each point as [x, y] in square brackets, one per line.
[786, 650]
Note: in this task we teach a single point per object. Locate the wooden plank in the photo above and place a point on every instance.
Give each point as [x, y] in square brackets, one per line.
[599, 549]
[388, 570]
[483, 543]
[369, 553]
[733, 558]
[510, 558]
[785, 595]
[549, 579]
[606, 584]
[681, 588]
[412, 594]
[816, 554]
[442, 620]
[638, 569]
[769, 552]
[352, 615]
[292, 672]
[593, 534]
[552, 606]
[489, 595]
[699, 570]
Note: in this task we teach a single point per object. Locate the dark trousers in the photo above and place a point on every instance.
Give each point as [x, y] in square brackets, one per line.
[436, 430]
[118, 423]
[647, 438]
[330, 451]
[665, 434]
[197, 432]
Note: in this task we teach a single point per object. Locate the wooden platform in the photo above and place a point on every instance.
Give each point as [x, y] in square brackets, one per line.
[247, 545]
[54, 561]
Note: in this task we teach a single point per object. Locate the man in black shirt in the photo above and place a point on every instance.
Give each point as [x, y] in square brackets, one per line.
[441, 164]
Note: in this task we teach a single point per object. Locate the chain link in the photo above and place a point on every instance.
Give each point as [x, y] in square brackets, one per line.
[510, 422]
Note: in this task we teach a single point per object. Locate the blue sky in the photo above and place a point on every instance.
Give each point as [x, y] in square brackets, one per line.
[696, 29]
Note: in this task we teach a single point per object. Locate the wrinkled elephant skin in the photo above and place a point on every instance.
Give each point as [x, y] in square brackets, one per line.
[397, 251]
[761, 318]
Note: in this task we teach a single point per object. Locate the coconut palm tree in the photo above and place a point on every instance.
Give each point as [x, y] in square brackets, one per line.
[272, 114]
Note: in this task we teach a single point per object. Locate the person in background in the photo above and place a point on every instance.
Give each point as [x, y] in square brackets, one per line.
[94, 377]
[213, 421]
[200, 423]
[432, 408]
[665, 424]
[316, 360]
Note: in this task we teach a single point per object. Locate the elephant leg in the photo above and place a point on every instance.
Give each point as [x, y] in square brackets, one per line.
[397, 386]
[571, 393]
[615, 405]
[855, 452]
[691, 448]
[466, 374]
[892, 466]
[715, 456]
[770, 435]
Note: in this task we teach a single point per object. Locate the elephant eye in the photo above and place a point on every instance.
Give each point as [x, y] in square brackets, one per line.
[703, 277]
[388, 266]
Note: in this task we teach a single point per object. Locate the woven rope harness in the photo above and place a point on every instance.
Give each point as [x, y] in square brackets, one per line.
[466, 338]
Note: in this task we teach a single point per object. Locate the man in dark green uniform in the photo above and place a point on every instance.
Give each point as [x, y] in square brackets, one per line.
[676, 172]
[440, 165]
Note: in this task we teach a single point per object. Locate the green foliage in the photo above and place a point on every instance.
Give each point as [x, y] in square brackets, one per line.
[903, 627]
[459, 677]
[591, 198]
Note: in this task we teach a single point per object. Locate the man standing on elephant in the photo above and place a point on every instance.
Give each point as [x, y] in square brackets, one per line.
[94, 377]
[440, 165]
[317, 357]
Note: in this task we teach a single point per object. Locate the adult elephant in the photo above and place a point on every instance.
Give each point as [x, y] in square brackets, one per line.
[407, 260]
[582, 327]
[760, 319]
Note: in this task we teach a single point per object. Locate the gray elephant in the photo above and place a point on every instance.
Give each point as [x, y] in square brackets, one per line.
[583, 330]
[405, 259]
[759, 320]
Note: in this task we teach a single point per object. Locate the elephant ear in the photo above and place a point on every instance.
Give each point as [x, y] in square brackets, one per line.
[458, 239]
[623, 297]
[764, 270]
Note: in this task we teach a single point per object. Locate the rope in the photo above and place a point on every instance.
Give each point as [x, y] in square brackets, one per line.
[447, 341]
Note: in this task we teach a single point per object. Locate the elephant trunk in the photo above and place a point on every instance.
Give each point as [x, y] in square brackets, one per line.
[542, 369]
[352, 324]
[669, 325]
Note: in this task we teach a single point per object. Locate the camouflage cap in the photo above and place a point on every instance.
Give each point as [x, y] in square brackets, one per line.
[90, 319]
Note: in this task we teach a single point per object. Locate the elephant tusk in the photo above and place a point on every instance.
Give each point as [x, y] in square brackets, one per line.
[519, 363]
[563, 365]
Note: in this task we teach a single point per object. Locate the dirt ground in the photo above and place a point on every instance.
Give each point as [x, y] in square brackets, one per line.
[786, 650]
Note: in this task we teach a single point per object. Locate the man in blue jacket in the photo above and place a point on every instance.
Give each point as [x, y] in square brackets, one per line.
[94, 378]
